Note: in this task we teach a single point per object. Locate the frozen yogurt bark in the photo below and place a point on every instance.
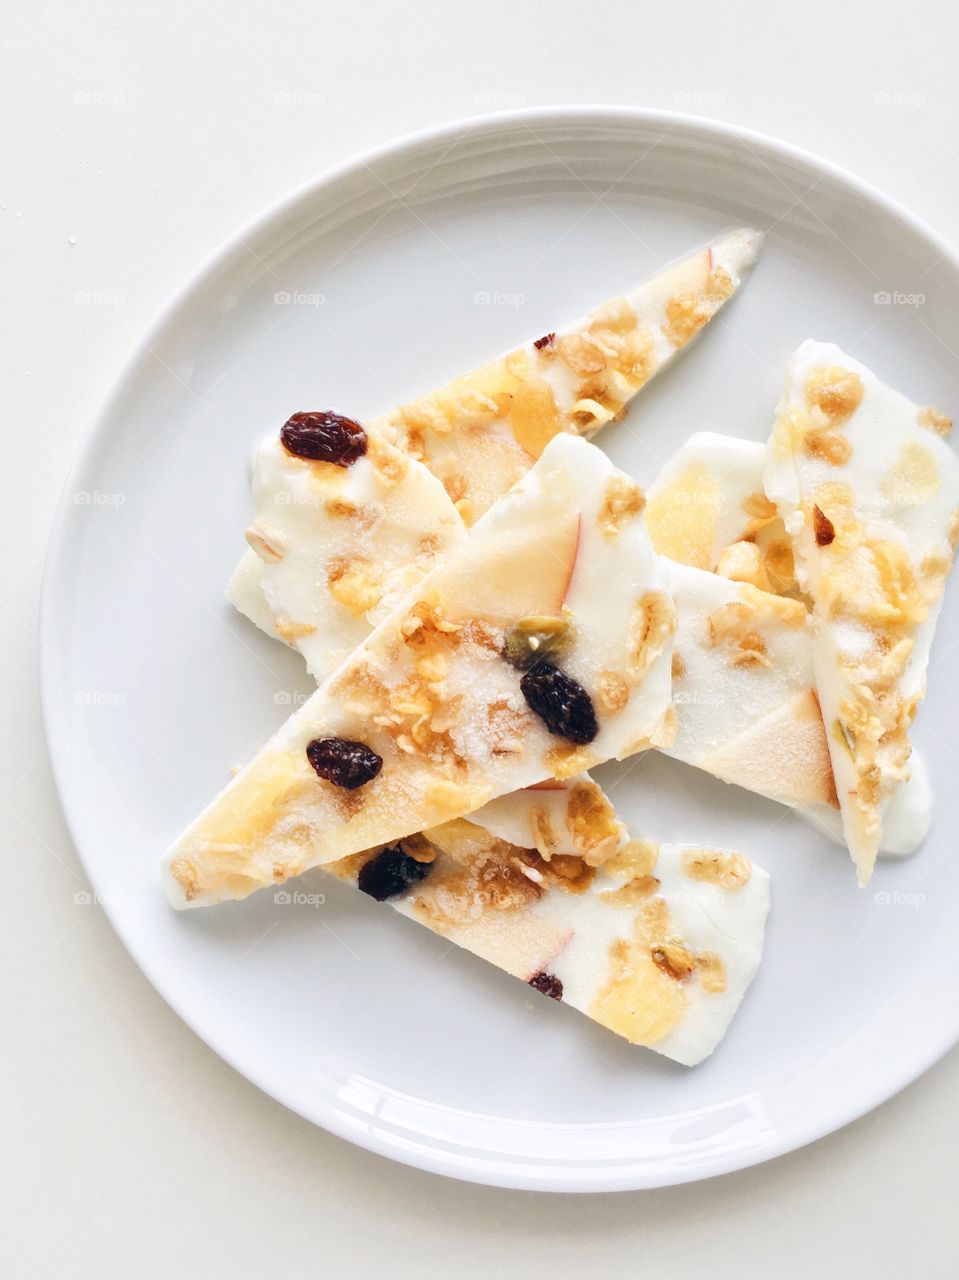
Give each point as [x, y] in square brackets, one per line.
[869, 493]
[481, 432]
[706, 509]
[338, 544]
[658, 944]
[541, 645]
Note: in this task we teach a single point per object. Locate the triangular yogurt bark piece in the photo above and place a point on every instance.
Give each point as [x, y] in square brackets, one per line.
[540, 646]
[743, 717]
[658, 943]
[337, 545]
[482, 431]
[869, 492]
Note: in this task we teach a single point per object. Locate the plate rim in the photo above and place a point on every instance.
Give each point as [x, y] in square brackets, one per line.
[506, 1173]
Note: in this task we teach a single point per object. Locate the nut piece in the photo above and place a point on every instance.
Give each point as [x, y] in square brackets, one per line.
[536, 637]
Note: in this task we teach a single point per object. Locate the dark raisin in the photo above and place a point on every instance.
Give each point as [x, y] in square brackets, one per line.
[344, 763]
[823, 527]
[389, 873]
[548, 983]
[547, 340]
[561, 703]
[324, 437]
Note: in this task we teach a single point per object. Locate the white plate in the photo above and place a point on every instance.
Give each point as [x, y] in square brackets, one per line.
[367, 287]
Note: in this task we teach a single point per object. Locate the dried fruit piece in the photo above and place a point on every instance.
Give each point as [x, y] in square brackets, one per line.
[561, 703]
[548, 983]
[547, 340]
[344, 763]
[823, 527]
[391, 872]
[531, 639]
[324, 437]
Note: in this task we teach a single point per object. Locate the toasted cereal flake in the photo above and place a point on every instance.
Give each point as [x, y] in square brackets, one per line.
[914, 478]
[356, 584]
[623, 500]
[269, 544]
[836, 392]
[933, 420]
[729, 870]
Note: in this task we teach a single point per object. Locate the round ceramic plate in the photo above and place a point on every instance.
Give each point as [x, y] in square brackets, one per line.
[374, 283]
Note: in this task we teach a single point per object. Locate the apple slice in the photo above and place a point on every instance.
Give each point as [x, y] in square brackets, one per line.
[527, 573]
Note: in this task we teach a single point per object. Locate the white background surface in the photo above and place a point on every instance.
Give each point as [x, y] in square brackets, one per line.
[147, 133]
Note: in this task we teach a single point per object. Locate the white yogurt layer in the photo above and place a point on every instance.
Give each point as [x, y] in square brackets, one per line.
[340, 546]
[869, 493]
[698, 511]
